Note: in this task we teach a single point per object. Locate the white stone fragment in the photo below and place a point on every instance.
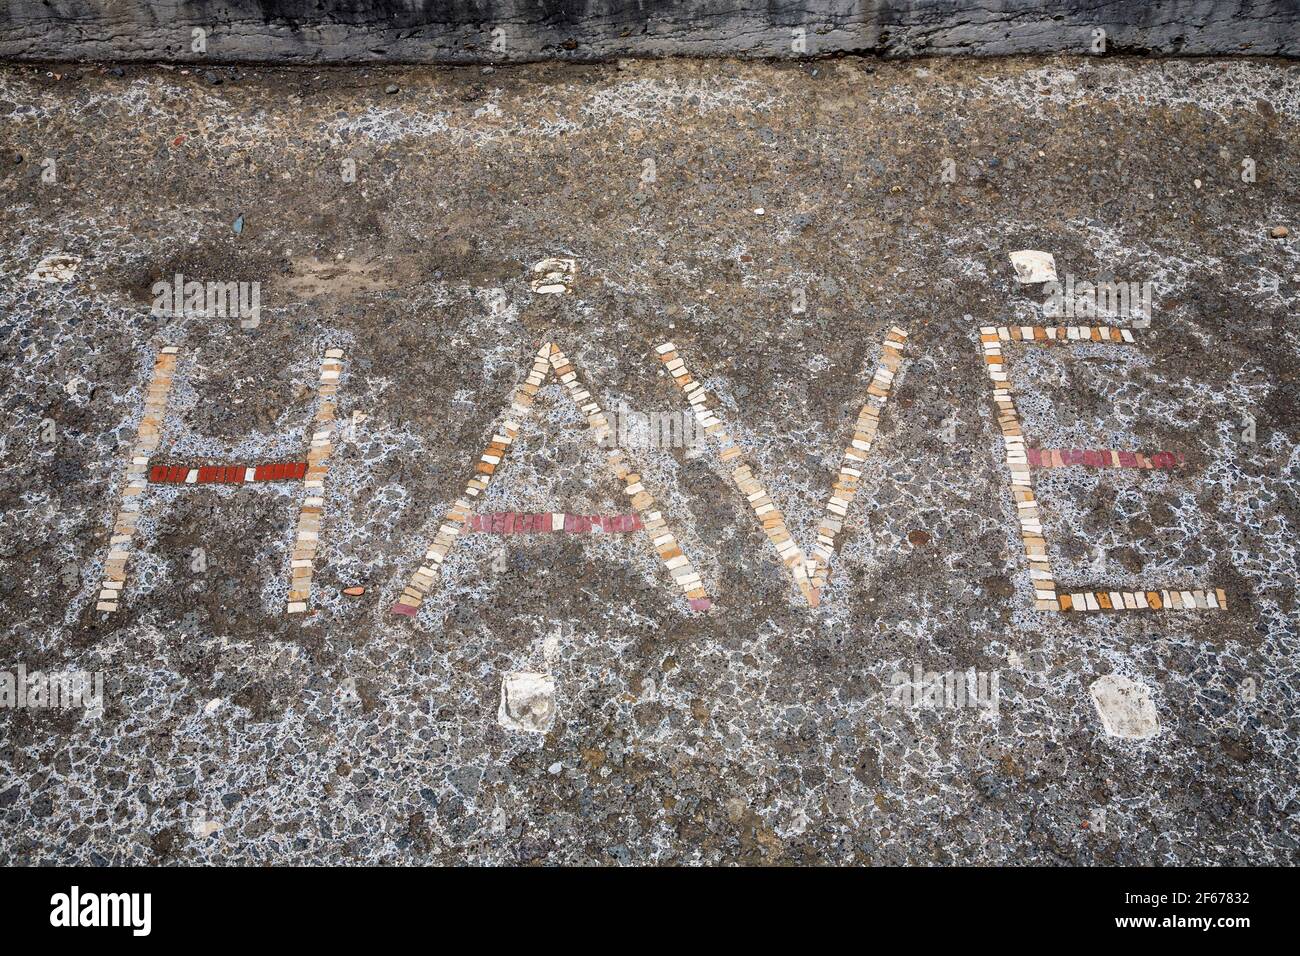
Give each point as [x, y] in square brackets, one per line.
[1033, 266]
[527, 702]
[55, 268]
[553, 276]
[202, 829]
[1125, 707]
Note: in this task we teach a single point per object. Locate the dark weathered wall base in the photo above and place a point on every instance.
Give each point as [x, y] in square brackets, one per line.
[449, 31]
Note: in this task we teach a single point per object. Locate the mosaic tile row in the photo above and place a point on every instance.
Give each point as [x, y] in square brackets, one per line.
[855, 453]
[226, 474]
[307, 532]
[137, 471]
[1062, 333]
[1142, 600]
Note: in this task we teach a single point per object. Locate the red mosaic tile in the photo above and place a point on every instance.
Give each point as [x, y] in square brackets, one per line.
[1100, 458]
[229, 474]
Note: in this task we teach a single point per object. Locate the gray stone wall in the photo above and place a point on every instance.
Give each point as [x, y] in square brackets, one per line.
[451, 31]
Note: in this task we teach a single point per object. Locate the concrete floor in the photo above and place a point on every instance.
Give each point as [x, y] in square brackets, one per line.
[701, 201]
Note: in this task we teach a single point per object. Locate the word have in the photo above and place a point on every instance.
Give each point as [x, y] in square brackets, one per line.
[809, 568]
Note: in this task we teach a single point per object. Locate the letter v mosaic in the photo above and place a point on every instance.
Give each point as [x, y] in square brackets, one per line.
[141, 472]
[1047, 597]
[810, 575]
[550, 359]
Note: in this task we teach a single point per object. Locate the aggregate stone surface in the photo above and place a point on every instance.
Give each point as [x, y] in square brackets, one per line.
[700, 200]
